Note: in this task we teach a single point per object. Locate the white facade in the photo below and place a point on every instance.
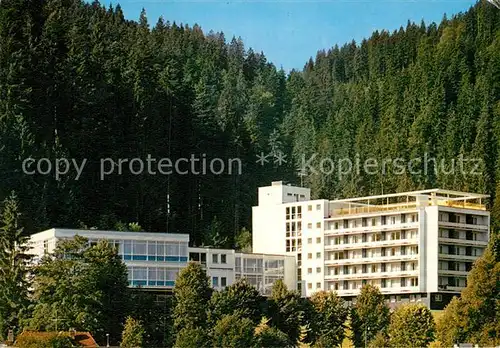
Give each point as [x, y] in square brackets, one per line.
[415, 246]
[225, 266]
[153, 260]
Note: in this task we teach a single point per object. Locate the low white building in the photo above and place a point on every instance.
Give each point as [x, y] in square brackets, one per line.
[415, 246]
[225, 266]
[153, 260]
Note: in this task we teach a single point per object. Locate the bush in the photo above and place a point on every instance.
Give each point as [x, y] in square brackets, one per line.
[44, 340]
[412, 325]
[133, 333]
[191, 338]
[233, 331]
[267, 337]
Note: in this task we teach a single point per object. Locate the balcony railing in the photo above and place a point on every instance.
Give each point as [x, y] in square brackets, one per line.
[371, 244]
[404, 207]
[461, 204]
[373, 209]
[376, 275]
[374, 259]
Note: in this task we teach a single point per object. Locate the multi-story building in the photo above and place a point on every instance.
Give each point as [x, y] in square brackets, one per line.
[415, 246]
[153, 260]
[225, 266]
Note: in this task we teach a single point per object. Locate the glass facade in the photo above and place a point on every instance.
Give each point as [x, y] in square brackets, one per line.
[260, 271]
[171, 253]
[140, 250]
[152, 276]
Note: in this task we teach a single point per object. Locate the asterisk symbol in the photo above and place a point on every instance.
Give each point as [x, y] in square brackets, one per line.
[262, 159]
[279, 158]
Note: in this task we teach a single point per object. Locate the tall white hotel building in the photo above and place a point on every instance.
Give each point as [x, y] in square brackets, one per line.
[415, 246]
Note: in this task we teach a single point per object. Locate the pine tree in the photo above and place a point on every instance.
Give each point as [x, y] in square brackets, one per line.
[14, 268]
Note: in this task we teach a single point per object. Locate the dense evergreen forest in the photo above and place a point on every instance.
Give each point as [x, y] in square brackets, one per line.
[79, 81]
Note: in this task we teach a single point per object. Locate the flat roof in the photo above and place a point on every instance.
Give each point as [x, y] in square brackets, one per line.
[438, 193]
[130, 234]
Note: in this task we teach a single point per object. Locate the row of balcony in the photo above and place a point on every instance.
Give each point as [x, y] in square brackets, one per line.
[376, 275]
[371, 245]
[373, 259]
[371, 229]
[391, 290]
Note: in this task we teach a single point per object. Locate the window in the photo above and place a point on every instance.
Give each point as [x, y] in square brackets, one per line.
[309, 208]
[403, 218]
[318, 206]
[309, 240]
[318, 285]
[336, 226]
[215, 258]
[215, 282]
[318, 240]
[309, 271]
[309, 225]
[288, 213]
[223, 258]
[318, 269]
[299, 212]
[309, 256]
[309, 285]
[364, 222]
[346, 223]
[384, 220]
[223, 281]
[374, 222]
[318, 255]
[318, 224]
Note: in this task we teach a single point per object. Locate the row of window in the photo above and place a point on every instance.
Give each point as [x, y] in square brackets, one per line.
[383, 283]
[455, 266]
[215, 282]
[466, 235]
[293, 213]
[151, 276]
[310, 270]
[375, 268]
[293, 229]
[153, 249]
[444, 282]
[310, 207]
[374, 237]
[250, 265]
[262, 283]
[459, 250]
[374, 252]
[375, 221]
[463, 218]
[202, 258]
[310, 240]
[293, 244]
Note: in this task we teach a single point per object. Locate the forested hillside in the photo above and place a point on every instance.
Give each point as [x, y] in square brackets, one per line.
[79, 81]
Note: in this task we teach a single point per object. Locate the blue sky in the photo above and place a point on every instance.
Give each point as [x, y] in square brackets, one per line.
[291, 31]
